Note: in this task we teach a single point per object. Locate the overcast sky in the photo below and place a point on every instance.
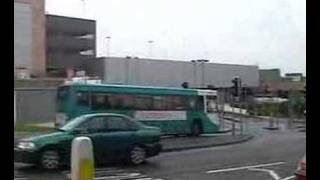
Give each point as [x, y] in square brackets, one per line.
[268, 33]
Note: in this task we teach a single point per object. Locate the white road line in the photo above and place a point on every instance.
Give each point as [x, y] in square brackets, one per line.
[101, 170]
[244, 167]
[288, 178]
[118, 177]
[272, 173]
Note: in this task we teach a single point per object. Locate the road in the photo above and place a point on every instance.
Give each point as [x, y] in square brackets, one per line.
[271, 155]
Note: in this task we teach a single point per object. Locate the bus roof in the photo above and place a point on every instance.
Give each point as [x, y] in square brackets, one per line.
[138, 89]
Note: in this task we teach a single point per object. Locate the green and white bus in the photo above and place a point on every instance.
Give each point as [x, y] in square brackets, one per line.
[173, 110]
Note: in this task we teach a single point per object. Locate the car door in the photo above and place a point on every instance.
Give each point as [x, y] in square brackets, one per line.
[95, 129]
[121, 134]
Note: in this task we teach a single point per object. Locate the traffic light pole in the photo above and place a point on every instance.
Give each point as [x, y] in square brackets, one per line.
[233, 122]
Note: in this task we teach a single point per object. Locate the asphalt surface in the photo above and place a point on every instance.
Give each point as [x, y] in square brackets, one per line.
[270, 155]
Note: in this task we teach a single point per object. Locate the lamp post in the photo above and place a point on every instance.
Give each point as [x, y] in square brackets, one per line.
[203, 61]
[108, 45]
[150, 43]
[83, 7]
[194, 63]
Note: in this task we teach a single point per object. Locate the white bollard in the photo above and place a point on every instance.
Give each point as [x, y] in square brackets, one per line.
[82, 160]
[15, 110]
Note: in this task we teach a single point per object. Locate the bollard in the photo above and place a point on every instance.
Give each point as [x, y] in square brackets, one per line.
[15, 110]
[82, 160]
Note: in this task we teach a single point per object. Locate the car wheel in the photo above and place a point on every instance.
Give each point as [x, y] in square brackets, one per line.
[137, 155]
[50, 160]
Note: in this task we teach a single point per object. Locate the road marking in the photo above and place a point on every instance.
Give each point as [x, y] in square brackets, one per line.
[288, 178]
[116, 174]
[244, 167]
[272, 173]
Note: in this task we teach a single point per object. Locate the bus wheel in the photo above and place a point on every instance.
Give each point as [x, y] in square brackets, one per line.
[196, 129]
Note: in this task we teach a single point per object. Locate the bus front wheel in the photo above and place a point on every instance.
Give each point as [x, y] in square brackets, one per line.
[196, 129]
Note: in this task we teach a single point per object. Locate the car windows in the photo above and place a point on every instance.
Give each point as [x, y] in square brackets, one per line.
[115, 123]
[94, 123]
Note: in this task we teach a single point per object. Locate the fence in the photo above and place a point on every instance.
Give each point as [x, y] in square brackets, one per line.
[35, 105]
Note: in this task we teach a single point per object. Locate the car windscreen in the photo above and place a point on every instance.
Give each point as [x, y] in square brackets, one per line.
[73, 123]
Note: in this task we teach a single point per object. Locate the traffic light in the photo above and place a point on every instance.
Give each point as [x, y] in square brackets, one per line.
[185, 85]
[236, 86]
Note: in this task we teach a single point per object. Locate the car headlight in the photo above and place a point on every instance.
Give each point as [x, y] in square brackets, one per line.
[26, 145]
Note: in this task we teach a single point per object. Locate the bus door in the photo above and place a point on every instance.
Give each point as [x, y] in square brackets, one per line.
[211, 108]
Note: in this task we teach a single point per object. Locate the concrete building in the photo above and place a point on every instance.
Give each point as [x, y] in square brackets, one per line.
[29, 37]
[169, 73]
[270, 75]
[71, 44]
[273, 84]
[295, 77]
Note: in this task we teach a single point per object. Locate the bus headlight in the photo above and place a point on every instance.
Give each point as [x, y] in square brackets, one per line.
[61, 119]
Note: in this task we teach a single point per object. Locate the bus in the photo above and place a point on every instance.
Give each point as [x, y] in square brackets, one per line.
[175, 111]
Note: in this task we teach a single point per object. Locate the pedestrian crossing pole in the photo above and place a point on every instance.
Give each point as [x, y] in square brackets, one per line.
[82, 159]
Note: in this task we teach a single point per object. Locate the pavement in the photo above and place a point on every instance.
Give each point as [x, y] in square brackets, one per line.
[271, 155]
[184, 143]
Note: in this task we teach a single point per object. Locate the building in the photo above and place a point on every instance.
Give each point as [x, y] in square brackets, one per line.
[273, 84]
[29, 38]
[170, 73]
[71, 44]
[295, 77]
[270, 75]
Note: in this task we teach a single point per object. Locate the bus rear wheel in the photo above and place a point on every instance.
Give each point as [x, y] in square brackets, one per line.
[196, 129]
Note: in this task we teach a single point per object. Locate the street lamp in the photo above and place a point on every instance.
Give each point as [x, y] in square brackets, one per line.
[108, 45]
[203, 61]
[83, 7]
[194, 62]
[150, 42]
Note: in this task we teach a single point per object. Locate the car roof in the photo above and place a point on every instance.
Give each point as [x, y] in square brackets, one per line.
[103, 114]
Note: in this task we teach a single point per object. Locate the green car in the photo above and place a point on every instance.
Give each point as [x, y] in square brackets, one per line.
[115, 137]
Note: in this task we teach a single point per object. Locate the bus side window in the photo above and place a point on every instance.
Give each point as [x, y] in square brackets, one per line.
[83, 99]
[127, 101]
[143, 102]
[160, 103]
[100, 102]
[177, 103]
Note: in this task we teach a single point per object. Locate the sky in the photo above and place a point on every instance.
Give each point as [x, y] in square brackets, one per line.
[268, 33]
